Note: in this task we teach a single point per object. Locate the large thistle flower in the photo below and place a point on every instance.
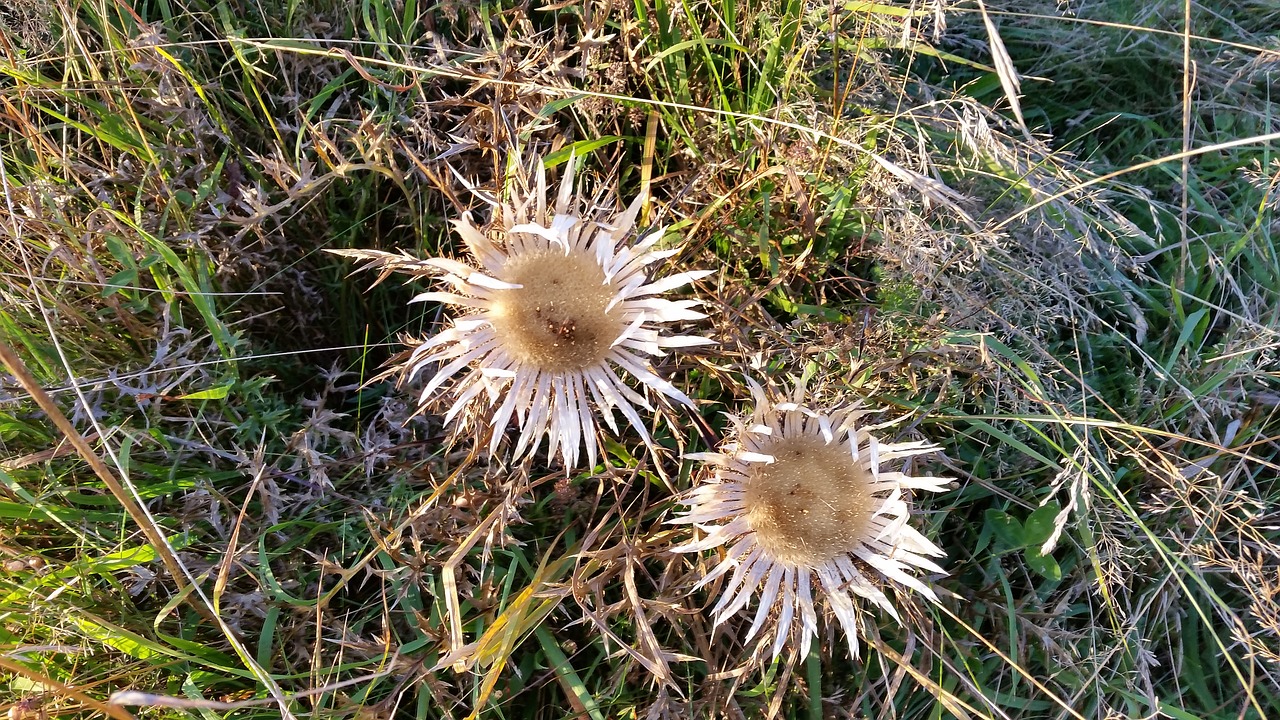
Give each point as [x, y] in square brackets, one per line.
[798, 496]
[558, 302]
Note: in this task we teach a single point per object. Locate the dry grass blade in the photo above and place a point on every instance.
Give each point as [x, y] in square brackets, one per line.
[18, 369]
[949, 701]
[1007, 73]
[386, 263]
[141, 699]
[1065, 705]
[109, 709]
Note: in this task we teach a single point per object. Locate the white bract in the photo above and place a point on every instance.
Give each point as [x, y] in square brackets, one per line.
[798, 496]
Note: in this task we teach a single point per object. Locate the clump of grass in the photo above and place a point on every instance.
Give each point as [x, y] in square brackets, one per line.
[119, 195]
[1145, 377]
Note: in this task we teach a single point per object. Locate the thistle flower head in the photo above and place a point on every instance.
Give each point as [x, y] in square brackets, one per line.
[558, 304]
[799, 499]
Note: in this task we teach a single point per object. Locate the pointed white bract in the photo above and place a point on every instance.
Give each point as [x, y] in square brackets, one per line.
[559, 308]
[798, 498]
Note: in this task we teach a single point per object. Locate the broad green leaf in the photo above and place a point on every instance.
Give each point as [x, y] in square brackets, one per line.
[1039, 525]
[1045, 565]
[1007, 529]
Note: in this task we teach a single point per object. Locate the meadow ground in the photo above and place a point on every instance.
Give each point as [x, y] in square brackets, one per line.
[1041, 235]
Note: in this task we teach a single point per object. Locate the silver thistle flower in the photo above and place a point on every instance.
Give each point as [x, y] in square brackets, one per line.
[560, 303]
[798, 496]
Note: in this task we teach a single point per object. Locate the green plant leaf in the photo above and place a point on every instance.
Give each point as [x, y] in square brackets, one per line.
[1039, 525]
[214, 393]
[1044, 565]
[1006, 528]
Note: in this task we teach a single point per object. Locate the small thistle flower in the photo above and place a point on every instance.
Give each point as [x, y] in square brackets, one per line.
[799, 496]
[554, 310]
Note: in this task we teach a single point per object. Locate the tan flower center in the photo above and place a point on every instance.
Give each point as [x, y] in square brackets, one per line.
[557, 321]
[811, 504]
